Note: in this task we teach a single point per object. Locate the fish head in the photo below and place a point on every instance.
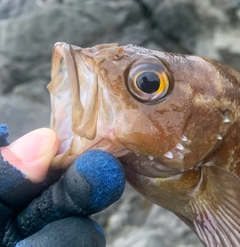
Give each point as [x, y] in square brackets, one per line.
[96, 102]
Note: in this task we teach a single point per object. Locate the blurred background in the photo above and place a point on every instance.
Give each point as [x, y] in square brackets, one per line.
[28, 31]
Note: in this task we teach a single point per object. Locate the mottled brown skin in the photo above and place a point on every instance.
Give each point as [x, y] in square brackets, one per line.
[183, 151]
[208, 100]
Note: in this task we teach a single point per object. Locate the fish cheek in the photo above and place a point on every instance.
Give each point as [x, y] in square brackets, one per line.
[146, 136]
[142, 143]
[203, 128]
[156, 130]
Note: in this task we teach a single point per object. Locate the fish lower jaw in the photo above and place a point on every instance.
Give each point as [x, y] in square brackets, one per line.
[145, 165]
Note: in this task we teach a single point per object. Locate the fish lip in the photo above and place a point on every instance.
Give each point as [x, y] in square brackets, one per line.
[69, 60]
[74, 68]
[142, 165]
[116, 150]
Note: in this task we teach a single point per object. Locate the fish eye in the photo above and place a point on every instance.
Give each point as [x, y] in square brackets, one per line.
[148, 80]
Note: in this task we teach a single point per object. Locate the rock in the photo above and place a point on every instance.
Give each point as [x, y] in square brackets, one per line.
[134, 221]
[26, 43]
[172, 21]
[201, 28]
[22, 114]
[227, 44]
[17, 8]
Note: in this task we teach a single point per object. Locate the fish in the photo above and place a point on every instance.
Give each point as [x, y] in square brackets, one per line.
[173, 121]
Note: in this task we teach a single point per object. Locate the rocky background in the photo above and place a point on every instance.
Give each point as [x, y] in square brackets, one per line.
[28, 31]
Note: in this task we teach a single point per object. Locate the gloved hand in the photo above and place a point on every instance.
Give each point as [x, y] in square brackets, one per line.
[35, 213]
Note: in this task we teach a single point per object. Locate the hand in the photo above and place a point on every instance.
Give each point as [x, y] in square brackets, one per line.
[58, 216]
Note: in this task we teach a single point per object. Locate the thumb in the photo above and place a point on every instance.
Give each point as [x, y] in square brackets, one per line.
[33, 153]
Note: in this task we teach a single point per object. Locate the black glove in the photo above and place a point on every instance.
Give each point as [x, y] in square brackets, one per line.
[38, 215]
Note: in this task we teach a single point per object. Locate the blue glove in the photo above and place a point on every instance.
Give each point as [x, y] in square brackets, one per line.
[58, 215]
[3, 135]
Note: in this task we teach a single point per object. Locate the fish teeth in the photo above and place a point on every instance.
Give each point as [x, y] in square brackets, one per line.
[180, 146]
[226, 120]
[180, 156]
[150, 157]
[184, 138]
[219, 137]
[169, 155]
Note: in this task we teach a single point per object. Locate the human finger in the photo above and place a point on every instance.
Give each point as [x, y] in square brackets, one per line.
[33, 153]
[24, 163]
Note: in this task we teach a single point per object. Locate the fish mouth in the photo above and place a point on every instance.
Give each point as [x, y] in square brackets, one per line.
[157, 168]
[147, 166]
[75, 98]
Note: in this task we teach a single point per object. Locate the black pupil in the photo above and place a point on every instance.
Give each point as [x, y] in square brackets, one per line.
[148, 82]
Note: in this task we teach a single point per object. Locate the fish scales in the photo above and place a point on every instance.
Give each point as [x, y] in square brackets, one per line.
[173, 121]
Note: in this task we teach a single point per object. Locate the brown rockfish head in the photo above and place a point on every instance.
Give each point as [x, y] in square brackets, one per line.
[173, 120]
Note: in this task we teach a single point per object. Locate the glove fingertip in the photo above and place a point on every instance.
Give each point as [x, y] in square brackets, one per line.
[4, 133]
[106, 176]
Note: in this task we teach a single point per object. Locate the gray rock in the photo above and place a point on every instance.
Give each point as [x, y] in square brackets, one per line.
[135, 221]
[22, 114]
[172, 21]
[227, 44]
[26, 42]
[206, 28]
[33, 27]
[16, 8]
